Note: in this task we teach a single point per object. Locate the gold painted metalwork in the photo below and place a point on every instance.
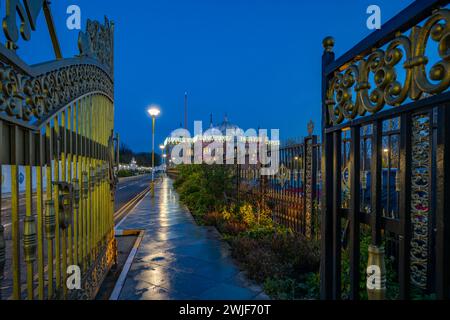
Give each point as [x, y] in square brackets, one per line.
[65, 204]
[98, 42]
[376, 258]
[27, 12]
[420, 198]
[60, 123]
[371, 83]
[34, 99]
[2, 252]
[50, 223]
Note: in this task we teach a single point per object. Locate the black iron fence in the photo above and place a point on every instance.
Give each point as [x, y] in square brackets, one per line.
[293, 193]
[386, 159]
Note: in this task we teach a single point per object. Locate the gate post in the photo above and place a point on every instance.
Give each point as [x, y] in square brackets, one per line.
[443, 205]
[309, 181]
[326, 278]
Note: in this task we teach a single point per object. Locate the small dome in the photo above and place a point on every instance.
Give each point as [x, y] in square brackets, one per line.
[226, 125]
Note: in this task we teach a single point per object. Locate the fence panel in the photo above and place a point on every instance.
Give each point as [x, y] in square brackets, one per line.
[386, 160]
[293, 193]
[57, 168]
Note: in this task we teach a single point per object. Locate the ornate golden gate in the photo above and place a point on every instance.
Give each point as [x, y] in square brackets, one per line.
[56, 161]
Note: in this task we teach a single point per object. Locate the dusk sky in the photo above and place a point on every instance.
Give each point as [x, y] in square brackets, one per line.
[257, 61]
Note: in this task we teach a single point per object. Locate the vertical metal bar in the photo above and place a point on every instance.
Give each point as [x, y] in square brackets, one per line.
[29, 233]
[49, 209]
[56, 162]
[52, 30]
[40, 215]
[85, 182]
[305, 182]
[405, 206]
[354, 216]
[326, 273]
[2, 229]
[337, 199]
[327, 253]
[313, 194]
[81, 178]
[77, 175]
[443, 204]
[15, 228]
[95, 166]
[63, 213]
[86, 124]
[68, 148]
[104, 210]
[376, 213]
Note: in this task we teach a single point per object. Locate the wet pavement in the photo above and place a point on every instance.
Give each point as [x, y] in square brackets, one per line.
[179, 260]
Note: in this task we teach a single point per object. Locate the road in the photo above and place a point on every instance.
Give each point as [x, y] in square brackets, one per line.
[127, 189]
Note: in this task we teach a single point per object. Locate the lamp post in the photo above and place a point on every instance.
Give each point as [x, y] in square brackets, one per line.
[162, 147]
[153, 111]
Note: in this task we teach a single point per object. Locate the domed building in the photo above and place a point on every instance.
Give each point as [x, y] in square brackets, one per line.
[226, 125]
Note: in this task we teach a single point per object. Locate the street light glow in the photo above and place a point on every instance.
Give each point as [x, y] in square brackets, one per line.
[161, 147]
[153, 111]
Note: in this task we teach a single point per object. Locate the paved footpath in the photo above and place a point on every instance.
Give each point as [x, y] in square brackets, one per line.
[179, 260]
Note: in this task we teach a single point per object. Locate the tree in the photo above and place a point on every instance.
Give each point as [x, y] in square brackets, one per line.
[143, 159]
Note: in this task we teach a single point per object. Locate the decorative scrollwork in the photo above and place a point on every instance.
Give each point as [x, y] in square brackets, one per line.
[283, 176]
[420, 198]
[31, 99]
[374, 82]
[309, 188]
[97, 272]
[98, 42]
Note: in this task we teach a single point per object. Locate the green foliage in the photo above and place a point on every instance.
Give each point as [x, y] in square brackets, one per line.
[277, 256]
[142, 159]
[285, 262]
[392, 285]
[308, 288]
[203, 188]
[125, 173]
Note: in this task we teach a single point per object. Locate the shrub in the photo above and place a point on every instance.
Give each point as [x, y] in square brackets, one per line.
[285, 262]
[247, 215]
[276, 255]
[233, 228]
[125, 173]
[213, 219]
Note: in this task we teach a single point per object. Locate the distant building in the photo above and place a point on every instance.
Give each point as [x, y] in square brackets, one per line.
[215, 133]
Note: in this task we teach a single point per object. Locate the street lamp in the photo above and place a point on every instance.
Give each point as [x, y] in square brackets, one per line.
[162, 147]
[153, 111]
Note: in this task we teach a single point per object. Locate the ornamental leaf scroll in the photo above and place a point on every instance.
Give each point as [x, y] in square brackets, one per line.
[98, 42]
[28, 12]
[370, 84]
[30, 99]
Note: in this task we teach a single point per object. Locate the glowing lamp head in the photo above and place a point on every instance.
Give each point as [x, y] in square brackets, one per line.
[153, 111]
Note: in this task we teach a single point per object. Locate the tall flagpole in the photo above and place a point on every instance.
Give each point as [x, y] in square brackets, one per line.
[185, 110]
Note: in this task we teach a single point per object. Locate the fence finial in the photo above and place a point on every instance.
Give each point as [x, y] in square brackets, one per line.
[328, 44]
[310, 127]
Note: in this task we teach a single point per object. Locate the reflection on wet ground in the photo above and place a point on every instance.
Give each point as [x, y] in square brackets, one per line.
[178, 260]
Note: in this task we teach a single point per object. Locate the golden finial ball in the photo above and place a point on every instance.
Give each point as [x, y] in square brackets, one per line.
[328, 43]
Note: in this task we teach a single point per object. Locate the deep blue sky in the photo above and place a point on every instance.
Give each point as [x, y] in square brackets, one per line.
[258, 61]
